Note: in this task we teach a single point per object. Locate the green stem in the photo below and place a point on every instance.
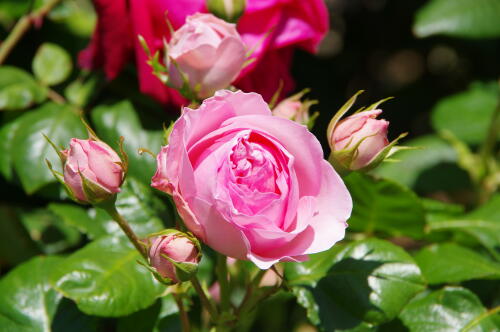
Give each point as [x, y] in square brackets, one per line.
[182, 313]
[487, 156]
[122, 222]
[222, 276]
[22, 26]
[203, 298]
[250, 291]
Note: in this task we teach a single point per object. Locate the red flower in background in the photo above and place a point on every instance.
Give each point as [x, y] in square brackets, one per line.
[288, 24]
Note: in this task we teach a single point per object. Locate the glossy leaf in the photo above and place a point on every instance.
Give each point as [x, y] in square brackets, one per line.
[29, 148]
[105, 279]
[467, 114]
[369, 284]
[121, 119]
[449, 309]
[414, 165]
[385, 206]
[312, 270]
[136, 203]
[52, 64]
[482, 224]
[18, 89]
[48, 230]
[459, 18]
[28, 303]
[451, 263]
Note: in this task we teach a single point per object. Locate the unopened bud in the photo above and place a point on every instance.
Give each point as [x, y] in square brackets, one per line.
[174, 255]
[296, 109]
[228, 10]
[359, 142]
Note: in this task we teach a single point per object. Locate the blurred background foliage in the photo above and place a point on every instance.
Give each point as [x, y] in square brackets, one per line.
[439, 58]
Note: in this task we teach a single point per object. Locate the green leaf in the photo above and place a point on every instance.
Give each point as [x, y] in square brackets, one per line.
[81, 91]
[370, 282]
[69, 318]
[28, 303]
[48, 230]
[29, 149]
[16, 244]
[458, 18]
[162, 316]
[136, 203]
[449, 309]
[312, 270]
[18, 89]
[385, 206]
[121, 119]
[7, 149]
[467, 114]
[104, 279]
[451, 263]
[52, 64]
[482, 224]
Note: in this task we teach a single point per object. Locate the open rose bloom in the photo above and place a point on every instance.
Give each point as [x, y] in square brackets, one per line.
[251, 185]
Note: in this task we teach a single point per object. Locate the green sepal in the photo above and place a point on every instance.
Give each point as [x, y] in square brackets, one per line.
[383, 154]
[60, 178]
[123, 157]
[92, 135]
[184, 271]
[276, 95]
[164, 280]
[94, 193]
[167, 131]
[340, 113]
[218, 8]
[159, 70]
[59, 153]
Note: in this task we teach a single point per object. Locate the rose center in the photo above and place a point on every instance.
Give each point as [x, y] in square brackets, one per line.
[253, 166]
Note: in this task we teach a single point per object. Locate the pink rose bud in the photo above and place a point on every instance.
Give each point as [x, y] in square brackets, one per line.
[174, 255]
[205, 55]
[359, 142]
[296, 110]
[93, 172]
[228, 10]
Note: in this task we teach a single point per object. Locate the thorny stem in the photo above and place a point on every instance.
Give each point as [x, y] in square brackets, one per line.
[22, 26]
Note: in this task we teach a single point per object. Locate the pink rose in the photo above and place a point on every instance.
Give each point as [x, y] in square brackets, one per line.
[365, 129]
[251, 185]
[290, 24]
[295, 109]
[208, 51]
[93, 171]
[167, 250]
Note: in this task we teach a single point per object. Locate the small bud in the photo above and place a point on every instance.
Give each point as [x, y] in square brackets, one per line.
[93, 171]
[359, 142]
[228, 10]
[174, 255]
[205, 55]
[293, 108]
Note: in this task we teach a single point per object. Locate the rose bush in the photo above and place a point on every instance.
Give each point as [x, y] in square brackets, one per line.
[250, 185]
[273, 29]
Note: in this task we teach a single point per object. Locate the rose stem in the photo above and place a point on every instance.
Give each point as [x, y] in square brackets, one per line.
[22, 26]
[221, 271]
[203, 298]
[111, 210]
[250, 290]
[183, 313]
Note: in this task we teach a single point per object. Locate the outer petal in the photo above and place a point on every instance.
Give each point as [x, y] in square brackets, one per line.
[334, 206]
[230, 57]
